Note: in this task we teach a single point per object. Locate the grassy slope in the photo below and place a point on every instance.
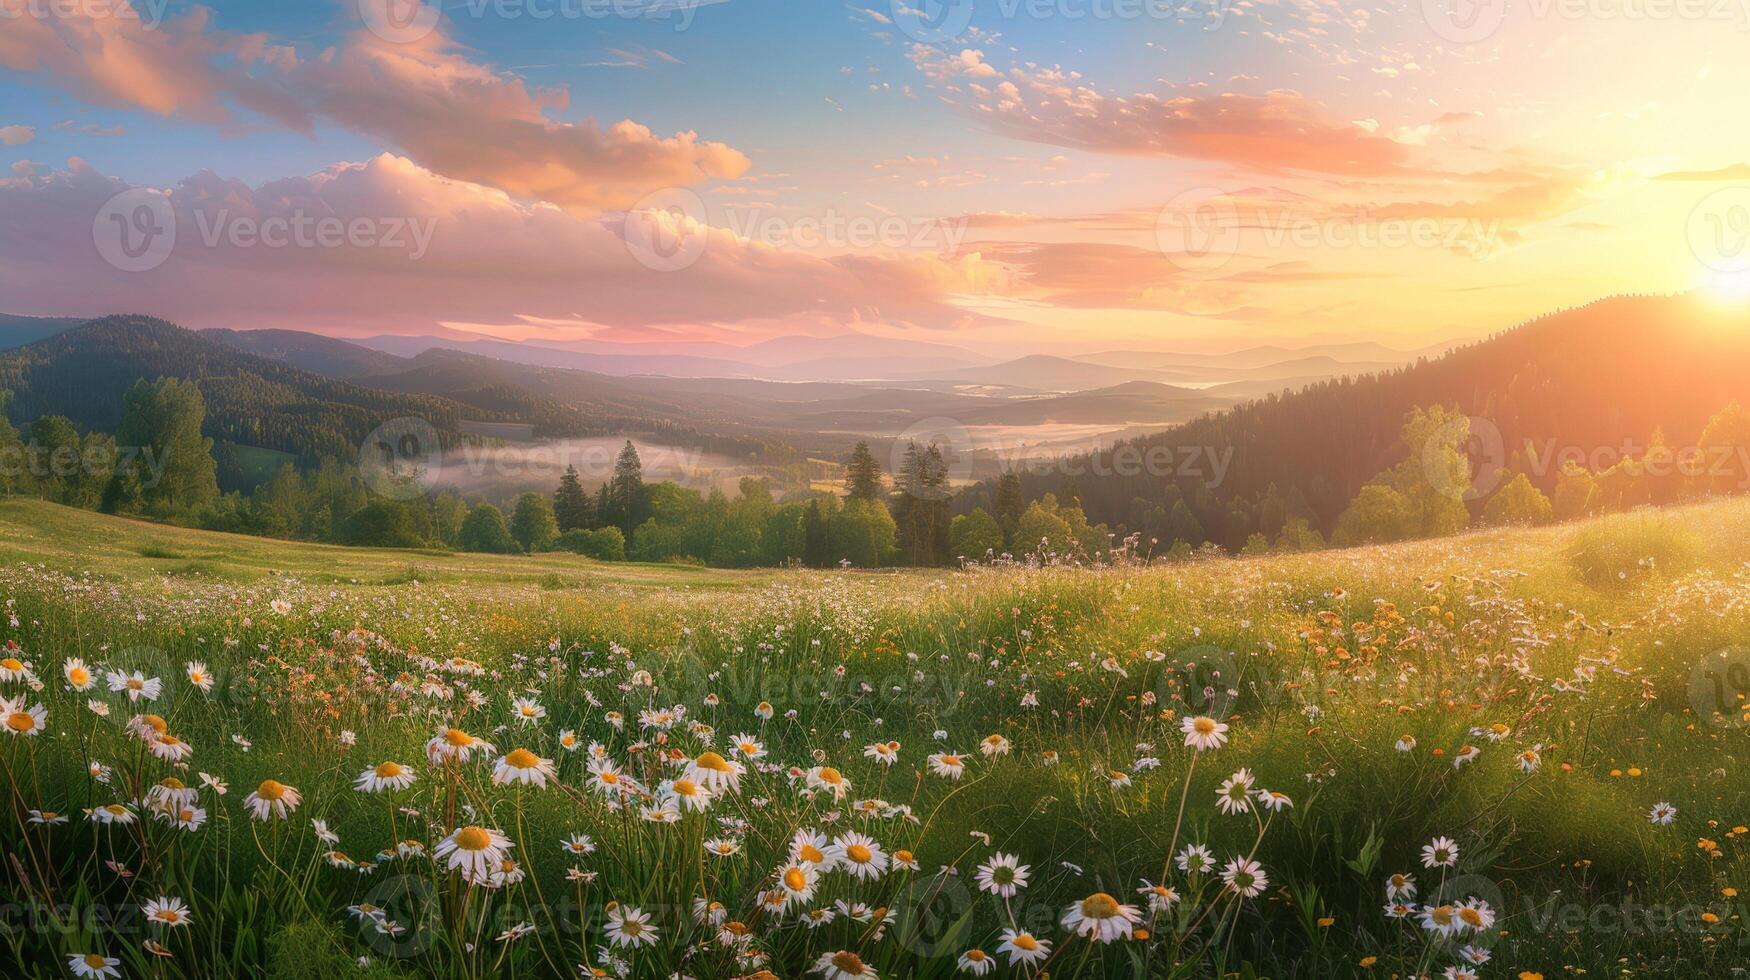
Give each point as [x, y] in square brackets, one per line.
[70, 539]
[1490, 619]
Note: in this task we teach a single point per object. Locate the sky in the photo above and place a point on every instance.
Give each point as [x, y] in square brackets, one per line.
[1009, 176]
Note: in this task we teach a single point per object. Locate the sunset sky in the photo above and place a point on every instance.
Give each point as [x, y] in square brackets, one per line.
[1004, 175]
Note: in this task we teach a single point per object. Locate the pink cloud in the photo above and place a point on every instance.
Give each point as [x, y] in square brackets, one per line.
[490, 258]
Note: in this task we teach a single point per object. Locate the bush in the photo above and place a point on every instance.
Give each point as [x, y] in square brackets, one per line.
[602, 544]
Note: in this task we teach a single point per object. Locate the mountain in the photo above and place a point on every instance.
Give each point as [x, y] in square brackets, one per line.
[83, 373]
[309, 352]
[1586, 381]
[793, 358]
[1131, 403]
[1045, 372]
[16, 331]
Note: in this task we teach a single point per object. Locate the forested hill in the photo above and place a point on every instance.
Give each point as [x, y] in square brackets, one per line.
[83, 374]
[1590, 377]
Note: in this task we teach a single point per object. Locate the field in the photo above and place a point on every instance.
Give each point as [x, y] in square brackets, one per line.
[230, 756]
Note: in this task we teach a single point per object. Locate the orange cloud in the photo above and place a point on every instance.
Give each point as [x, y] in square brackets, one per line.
[1281, 130]
[424, 98]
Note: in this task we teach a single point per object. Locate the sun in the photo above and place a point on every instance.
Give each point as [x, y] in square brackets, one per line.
[1730, 288]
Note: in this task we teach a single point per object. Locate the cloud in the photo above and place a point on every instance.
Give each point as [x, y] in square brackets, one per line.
[1736, 171]
[425, 99]
[490, 259]
[1278, 131]
[16, 135]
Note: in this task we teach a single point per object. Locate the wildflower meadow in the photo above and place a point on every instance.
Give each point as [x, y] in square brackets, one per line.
[1507, 754]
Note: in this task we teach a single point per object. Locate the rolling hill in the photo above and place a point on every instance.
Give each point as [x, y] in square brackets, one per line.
[83, 373]
[1591, 379]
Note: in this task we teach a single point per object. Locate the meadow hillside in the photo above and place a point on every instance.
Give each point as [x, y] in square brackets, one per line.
[1506, 753]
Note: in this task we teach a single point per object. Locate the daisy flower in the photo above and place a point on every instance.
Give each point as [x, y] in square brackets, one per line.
[474, 851]
[1235, 794]
[79, 676]
[1203, 733]
[797, 880]
[976, 962]
[687, 793]
[1161, 898]
[523, 766]
[1400, 886]
[272, 799]
[629, 927]
[994, 745]
[527, 710]
[453, 744]
[93, 965]
[828, 778]
[1003, 875]
[1441, 852]
[947, 765]
[1195, 859]
[1662, 814]
[748, 746]
[860, 855]
[22, 719]
[843, 965]
[1023, 948]
[1245, 877]
[715, 773]
[1101, 918]
[199, 677]
[886, 753]
[137, 685]
[384, 777]
[167, 911]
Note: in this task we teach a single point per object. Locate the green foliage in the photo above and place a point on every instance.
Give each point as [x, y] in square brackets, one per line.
[1042, 531]
[572, 507]
[484, 530]
[1518, 503]
[863, 474]
[532, 523]
[974, 536]
[168, 465]
[1377, 514]
[602, 544]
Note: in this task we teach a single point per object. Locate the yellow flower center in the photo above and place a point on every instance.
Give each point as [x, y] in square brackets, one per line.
[975, 955]
[473, 839]
[270, 790]
[458, 738]
[686, 787]
[155, 723]
[859, 854]
[171, 782]
[808, 852]
[1099, 906]
[1025, 942]
[21, 721]
[1204, 725]
[715, 762]
[79, 676]
[389, 770]
[12, 663]
[522, 759]
[96, 961]
[795, 879]
[830, 775]
[848, 962]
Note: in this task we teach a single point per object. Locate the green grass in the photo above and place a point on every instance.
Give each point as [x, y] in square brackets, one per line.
[1318, 662]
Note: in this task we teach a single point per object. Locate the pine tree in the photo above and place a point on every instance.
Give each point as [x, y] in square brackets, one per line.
[572, 508]
[624, 502]
[863, 474]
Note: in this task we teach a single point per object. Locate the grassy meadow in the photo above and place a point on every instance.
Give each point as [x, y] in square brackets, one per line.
[1506, 754]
